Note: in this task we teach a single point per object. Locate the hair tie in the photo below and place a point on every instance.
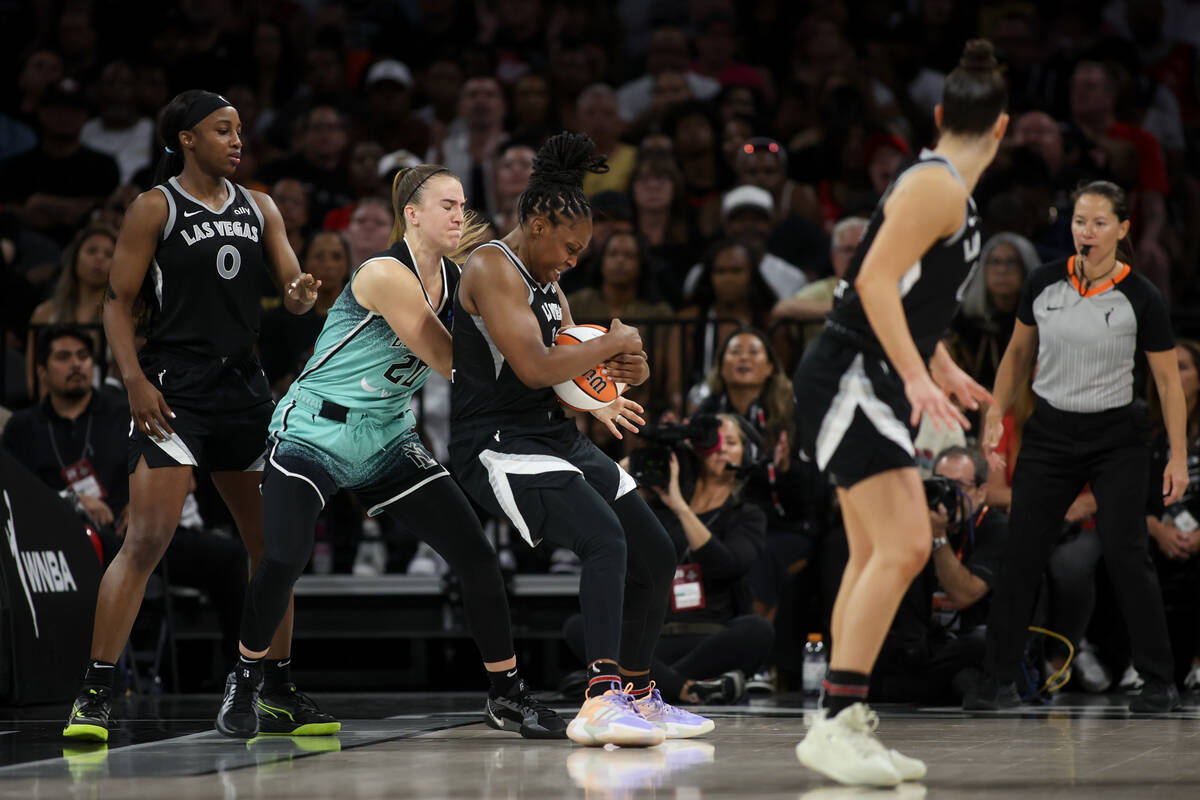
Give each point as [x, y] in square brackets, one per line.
[168, 150]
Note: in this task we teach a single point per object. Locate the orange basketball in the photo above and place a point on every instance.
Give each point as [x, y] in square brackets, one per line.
[591, 390]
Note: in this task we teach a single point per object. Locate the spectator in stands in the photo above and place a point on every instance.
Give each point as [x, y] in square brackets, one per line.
[1175, 530]
[1094, 113]
[938, 631]
[78, 294]
[989, 306]
[533, 117]
[662, 218]
[667, 52]
[598, 118]
[440, 84]
[762, 162]
[75, 439]
[748, 213]
[41, 69]
[620, 283]
[696, 148]
[730, 292]
[119, 131]
[514, 165]
[317, 163]
[365, 158]
[369, 229]
[286, 340]
[710, 629]
[716, 47]
[471, 151]
[273, 69]
[389, 117]
[750, 381]
[291, 198]
[54, 187]
[810, 304]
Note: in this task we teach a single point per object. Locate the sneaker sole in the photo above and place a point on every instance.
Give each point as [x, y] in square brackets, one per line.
[675, 730]
[621, 736]
[822, 766]
[232, 734]
[309, 729]
[84, 732]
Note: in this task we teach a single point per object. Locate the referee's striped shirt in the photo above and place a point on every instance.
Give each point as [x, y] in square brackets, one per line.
[1088, 336]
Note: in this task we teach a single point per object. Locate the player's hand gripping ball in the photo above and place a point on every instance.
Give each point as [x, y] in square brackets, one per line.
[593, 389]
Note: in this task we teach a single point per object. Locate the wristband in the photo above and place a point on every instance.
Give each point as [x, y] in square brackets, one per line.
[939, 542]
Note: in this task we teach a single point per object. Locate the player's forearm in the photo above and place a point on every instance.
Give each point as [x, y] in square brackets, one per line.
[119, 333]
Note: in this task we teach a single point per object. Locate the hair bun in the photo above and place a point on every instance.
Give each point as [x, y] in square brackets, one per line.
[978, 56]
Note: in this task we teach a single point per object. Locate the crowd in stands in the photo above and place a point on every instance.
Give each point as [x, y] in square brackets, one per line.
[748, 143]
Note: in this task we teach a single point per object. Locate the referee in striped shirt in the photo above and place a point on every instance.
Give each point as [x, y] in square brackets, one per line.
[1084, 319]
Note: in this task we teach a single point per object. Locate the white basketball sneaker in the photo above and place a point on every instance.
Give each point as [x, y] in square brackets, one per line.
[846, 749]
[613, 718]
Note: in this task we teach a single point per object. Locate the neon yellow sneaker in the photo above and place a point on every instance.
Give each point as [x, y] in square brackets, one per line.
[287, 711]
[91, 716]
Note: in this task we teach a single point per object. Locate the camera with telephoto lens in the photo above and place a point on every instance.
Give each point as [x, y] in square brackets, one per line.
[651, 465]
[943, 492]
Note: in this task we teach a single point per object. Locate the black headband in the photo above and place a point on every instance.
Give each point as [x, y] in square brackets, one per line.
[201, 107]
[419, 185]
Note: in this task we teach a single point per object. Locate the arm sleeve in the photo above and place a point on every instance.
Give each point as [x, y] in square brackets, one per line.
[1154, 323]
[727, 557]
[1025, 306]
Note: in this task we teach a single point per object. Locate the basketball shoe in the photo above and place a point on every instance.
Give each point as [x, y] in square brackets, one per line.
[91, 716]
[846, 749]
[675, 722]
[521, 712]
[287, 711]
[237, 717]
[613, 718]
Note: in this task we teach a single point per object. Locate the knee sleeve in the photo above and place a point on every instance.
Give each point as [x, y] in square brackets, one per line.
[290, 509]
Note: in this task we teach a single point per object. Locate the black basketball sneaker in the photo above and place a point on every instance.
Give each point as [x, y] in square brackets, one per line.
[91, 716]
[520, 712]
[237, 717]
[287, 711]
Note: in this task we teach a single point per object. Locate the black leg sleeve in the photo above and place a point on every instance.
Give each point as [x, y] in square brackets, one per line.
[651, 567]
[290, 510]
[440, 514]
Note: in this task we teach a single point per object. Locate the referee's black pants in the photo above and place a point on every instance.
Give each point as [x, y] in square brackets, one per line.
[1060, 452]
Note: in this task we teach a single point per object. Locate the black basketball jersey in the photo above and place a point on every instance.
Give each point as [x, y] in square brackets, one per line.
[484, 384]
[207, 274]
[931, 289]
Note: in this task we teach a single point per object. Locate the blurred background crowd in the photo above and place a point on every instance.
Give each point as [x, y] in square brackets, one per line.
[748, 144]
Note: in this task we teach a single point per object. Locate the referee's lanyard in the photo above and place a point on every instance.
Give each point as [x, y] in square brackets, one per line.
[79, 475]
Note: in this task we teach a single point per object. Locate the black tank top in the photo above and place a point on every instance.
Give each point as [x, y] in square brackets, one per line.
[931, 289]
[207, 275]
[484, 385]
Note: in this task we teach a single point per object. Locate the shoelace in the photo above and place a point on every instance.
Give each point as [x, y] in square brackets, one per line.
[298, 697]
[526, 700]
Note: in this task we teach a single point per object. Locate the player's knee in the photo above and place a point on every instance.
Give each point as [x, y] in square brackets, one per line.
[910, 557]
[145, 545]
[605, 545]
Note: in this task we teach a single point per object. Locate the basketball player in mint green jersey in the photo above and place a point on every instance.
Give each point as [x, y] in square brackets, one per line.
[346, 422]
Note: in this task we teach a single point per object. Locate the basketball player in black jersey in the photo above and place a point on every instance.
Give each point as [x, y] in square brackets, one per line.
[199, 246]
[518, 455]
[862, 388]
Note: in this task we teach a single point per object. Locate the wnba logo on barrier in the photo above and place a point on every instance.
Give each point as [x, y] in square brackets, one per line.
[40, 571]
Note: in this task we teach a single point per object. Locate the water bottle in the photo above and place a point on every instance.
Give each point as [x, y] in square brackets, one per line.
[816, 663]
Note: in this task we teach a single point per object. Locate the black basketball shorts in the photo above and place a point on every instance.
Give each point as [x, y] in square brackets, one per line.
[222, 410]
[853, 412]
[499, 466]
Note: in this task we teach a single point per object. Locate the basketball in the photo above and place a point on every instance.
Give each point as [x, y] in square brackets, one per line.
[591, 390]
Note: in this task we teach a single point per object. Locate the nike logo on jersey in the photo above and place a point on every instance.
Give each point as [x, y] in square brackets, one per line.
[1054, 308]
[191, 213]
[160, 376]
[496, 436]
[1106, 315]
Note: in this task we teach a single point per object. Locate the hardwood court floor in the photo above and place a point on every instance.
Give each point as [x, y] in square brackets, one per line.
[434, 746]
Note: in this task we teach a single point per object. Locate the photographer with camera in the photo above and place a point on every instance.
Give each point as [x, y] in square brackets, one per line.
[938, 631]
[696, 470]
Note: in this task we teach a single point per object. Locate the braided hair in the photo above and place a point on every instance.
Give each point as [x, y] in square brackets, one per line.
[556, 185]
